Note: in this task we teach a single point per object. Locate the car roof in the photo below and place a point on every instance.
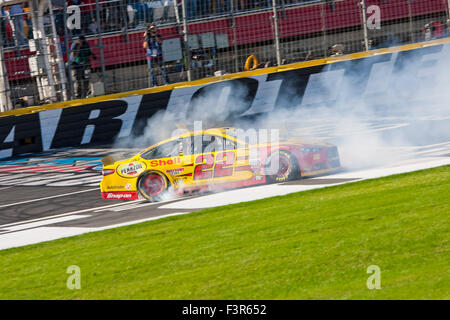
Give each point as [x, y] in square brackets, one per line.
[223, 131]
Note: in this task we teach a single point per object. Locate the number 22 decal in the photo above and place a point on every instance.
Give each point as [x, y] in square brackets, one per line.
[205, 164]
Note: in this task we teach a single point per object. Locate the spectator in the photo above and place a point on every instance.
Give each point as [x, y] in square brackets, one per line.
[204, 7]
[124, 18]
[62, 43]
[153, 44]
[112, 15]
[28, 24]
[10, 38]
[192, 7]
[58, 8]
[4, 19]
[243, 5]
[87, 13]
[80, 54]
[131, 13]
[337, 50]
[197, 57]
[428, 32]
[105, 17]
[16, 13]
[141, 11]
[93, 26]
[202, 57]
[223, 6]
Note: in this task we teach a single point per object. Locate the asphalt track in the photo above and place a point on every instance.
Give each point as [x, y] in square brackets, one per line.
[49, 196]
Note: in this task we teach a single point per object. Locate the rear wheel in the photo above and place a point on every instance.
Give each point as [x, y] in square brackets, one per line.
[286, 169]
[152, 185]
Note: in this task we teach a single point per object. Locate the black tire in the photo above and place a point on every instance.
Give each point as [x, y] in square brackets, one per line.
[287, 169]
[152, 185]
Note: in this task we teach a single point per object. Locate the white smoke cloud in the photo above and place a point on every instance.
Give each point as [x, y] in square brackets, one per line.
[401, 107]
[398, 110]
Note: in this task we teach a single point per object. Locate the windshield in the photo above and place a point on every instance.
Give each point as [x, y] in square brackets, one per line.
[165, 150]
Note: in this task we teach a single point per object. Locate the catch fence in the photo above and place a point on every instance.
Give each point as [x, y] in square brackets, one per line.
[200, 38]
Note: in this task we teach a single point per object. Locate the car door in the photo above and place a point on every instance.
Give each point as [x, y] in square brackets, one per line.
[242, 168]
[224, 159]
[217, 161]
[205, 148]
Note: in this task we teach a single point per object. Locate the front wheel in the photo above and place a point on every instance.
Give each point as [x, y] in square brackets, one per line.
[152, 185]
[285, 169]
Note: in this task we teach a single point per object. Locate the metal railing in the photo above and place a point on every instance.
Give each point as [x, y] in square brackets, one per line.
[201, 38]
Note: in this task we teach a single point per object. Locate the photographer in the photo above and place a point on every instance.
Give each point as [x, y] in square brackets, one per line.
[153, 45]
[80, 63]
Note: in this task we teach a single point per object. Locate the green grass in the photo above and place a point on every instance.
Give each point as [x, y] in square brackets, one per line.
[309, 245]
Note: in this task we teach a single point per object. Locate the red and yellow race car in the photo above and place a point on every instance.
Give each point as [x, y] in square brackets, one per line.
[211, 160]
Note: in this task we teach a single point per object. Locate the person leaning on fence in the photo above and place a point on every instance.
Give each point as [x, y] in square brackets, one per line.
[3, 21]
[80, 54]
[153, 45]
[16, 13]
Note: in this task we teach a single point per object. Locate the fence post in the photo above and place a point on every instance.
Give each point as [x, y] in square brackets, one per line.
[59, 58]
[185, 38]
[5, 101]
[47, 82]
[37, 38]
[448, 1]
[324, 30]
[411, 32]
[233, 26]
[66, 44]
[124, 13]
[277, 36]
[364, 15]
[100, 43]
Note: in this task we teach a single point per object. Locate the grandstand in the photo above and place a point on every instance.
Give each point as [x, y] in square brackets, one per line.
[200, 38]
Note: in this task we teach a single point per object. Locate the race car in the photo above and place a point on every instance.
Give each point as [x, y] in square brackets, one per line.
[211, 160]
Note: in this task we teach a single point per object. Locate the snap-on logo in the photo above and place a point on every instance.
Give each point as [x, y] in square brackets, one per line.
[131, 169]
[120, 195]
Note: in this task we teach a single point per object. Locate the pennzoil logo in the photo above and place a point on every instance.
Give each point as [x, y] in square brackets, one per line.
[131, 169]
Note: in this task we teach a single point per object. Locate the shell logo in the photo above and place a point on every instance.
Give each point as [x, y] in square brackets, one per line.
[131, 169]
